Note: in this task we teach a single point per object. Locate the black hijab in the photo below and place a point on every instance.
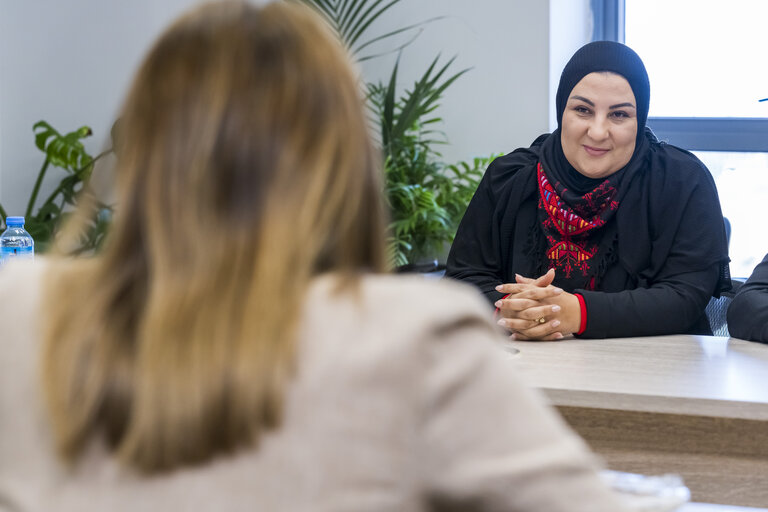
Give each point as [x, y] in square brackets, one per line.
[590, 58]
[586, 224]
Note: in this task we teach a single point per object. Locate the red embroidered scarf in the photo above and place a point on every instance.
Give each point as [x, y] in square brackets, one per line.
[574, 225]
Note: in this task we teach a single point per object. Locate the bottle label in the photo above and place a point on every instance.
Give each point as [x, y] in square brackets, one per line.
[21, 253]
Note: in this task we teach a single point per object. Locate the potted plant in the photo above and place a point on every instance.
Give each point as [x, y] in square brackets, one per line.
[66, 152]
[427, 197]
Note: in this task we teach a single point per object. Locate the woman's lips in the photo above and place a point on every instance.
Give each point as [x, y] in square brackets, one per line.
[595, 151]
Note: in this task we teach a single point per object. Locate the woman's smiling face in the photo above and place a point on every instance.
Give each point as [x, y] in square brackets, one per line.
[599, 125]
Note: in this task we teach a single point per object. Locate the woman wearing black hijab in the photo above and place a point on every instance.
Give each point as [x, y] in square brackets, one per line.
[625, 232]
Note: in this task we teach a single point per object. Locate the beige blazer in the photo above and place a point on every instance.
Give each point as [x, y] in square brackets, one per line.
[403, 401]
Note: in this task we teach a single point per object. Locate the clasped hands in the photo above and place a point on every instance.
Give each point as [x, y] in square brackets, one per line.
[537, 310]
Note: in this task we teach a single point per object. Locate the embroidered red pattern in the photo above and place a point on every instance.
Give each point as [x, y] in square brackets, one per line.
[568, 246]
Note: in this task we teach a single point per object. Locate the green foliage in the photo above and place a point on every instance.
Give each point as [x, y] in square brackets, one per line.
[426, 215]
[427, 197]
[351, 19]
[68, 153]
[65, 151]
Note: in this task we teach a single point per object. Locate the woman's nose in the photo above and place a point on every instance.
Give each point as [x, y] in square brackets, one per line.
[598, 129]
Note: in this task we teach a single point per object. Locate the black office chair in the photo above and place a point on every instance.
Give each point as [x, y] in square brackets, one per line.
[717, 309]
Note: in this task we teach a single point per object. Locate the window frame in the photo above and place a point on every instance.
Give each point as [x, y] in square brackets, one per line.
[732, 134]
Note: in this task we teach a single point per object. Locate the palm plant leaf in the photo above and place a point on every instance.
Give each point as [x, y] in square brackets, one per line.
[426, 197]
[388, 107]
[423, 98]
[399, 116]
[352, 19]
[358, 24]
[386, 36]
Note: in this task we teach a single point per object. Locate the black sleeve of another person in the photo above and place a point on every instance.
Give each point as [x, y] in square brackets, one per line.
[748, 312]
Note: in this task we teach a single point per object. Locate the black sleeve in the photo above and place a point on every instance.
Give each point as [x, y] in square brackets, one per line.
[480, 253]
[748, 312]
[669, 306]
[674, 299]
[475, 256]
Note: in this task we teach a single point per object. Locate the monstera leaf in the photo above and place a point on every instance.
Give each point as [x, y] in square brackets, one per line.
[66, 152]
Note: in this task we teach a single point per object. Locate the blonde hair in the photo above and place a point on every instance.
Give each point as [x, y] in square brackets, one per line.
[245, 169]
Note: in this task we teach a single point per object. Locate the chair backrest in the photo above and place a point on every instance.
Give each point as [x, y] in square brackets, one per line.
[717, 309]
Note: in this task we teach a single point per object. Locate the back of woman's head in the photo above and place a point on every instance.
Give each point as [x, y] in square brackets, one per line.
[243, 120]
[244, 169]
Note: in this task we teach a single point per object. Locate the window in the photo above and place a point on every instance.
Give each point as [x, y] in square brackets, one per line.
[742, 184]
[706, 62]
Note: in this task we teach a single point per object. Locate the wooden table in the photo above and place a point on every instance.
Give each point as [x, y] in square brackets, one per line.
[693, 405]
[703, 507]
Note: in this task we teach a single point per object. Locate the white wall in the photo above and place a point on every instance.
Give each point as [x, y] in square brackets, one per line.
[516, 49]
[502, 102]
[69, 62]
[570, 26]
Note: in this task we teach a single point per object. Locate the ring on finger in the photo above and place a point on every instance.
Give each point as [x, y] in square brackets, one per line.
[540, 320]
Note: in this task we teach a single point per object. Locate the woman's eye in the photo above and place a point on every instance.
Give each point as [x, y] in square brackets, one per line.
[581, 109]
[619, 114]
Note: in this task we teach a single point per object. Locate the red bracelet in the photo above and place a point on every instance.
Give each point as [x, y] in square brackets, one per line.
[583, 309]
[496, 313]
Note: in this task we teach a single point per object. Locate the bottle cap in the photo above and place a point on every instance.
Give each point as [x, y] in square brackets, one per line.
[16, 222]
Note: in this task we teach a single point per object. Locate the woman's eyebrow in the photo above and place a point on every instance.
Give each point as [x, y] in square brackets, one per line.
[591, 103]
[582, 98]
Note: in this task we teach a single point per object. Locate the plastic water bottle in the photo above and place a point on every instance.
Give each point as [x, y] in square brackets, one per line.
[15, 242]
